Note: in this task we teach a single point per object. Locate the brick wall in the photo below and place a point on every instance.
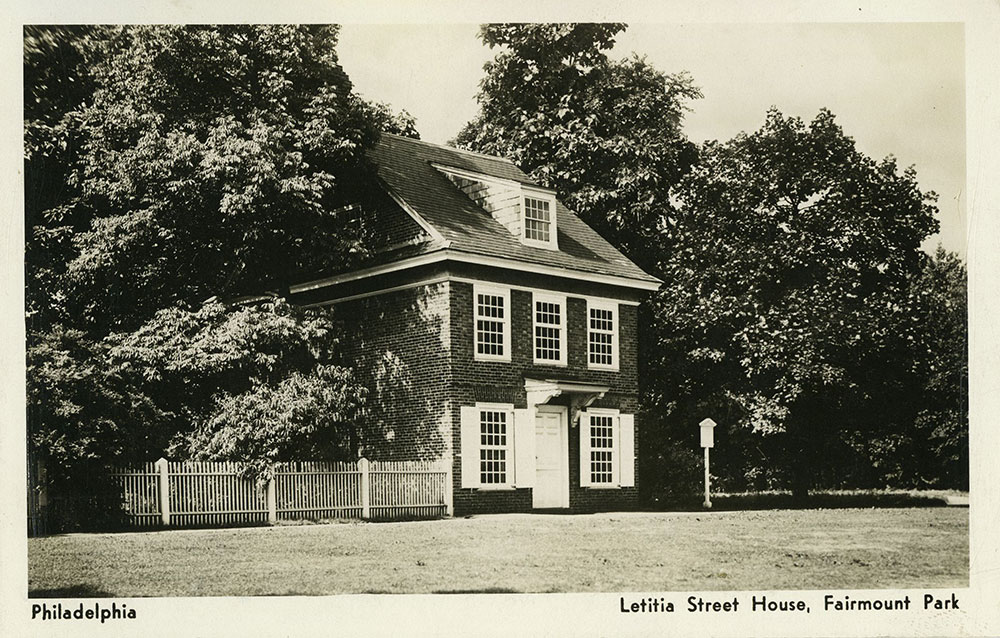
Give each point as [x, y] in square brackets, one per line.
[414, 350]
[399, 345]
[503, 382]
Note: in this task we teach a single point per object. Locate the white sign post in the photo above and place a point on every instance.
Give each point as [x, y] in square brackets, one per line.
[707, 441]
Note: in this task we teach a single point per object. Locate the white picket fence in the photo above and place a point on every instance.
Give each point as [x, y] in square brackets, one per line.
[192, 493]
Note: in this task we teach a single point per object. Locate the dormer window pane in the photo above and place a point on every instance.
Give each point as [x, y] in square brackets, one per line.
[537, 219]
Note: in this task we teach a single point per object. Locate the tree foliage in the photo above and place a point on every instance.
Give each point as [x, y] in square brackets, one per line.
[258, 383]
[786, 288]
[929, 444]
[57, 83]
[164, 166]
[80, 411]
[216, 161]
[605, 134]
[944, 413]
[794, 310]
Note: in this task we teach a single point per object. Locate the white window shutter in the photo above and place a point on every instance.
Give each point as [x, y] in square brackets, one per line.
[470, 447]
[524, 448]
[584, 449]
[626, 446]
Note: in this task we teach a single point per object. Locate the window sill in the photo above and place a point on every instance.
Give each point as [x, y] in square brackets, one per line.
[485, 358]
[536, 243]
[546, 362]
[602, 487]
[496, 488]
[593, 366]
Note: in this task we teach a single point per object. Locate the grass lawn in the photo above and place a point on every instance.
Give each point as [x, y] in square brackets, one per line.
[638, 551]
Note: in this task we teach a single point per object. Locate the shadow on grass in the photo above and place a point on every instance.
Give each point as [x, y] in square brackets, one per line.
[817, 500]
[76, 591]
[120, 529]
[488, 590]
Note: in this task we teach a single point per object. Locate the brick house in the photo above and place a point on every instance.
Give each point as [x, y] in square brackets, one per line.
[496, 330]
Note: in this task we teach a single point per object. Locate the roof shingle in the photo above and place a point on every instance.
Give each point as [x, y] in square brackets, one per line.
[405, 166]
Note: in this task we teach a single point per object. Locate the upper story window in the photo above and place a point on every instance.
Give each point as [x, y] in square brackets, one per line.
[538, 213]
[491, 310]
[602, 334]
[549, 329]
[537, 219]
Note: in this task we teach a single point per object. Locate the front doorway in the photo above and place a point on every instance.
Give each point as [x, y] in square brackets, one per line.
[551, 458]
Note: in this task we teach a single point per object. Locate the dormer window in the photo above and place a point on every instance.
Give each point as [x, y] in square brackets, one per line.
[537, 219]
[528, 212]
[538, 226]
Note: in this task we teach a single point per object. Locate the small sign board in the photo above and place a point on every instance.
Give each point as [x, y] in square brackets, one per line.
[707, 433]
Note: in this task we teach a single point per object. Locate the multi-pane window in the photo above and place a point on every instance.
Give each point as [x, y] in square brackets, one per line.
[537, 219]
[607, 449]
[549, 327]
[493, 447]
[492, 323]
[602, 335]
[602, 449]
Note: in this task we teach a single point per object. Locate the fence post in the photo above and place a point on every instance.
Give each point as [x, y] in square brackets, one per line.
[272, 499]
[449, 497]
[164, 491]
[366, 508]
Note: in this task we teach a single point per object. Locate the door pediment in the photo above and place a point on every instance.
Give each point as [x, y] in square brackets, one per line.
[541, 391]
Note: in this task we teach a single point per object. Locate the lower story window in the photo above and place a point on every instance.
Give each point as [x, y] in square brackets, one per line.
[602, 444]
[493, 447]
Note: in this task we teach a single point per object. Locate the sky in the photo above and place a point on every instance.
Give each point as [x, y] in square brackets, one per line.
[896, 88]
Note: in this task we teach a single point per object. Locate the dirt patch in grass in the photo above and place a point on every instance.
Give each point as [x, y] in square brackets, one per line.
[638, 551]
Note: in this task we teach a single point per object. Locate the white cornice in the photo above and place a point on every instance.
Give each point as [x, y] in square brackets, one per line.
[374, 271]
[555, 271]
[445, 254]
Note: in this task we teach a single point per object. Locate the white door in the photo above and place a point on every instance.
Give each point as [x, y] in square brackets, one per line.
[551, 460]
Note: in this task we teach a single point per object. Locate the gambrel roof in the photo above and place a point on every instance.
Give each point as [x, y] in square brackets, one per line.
[416, 176]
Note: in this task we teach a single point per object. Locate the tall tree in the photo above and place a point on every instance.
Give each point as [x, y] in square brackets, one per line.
[216, 161]
[944, 369]
[924, 442]
[167, 165]
[605, 134]
[793, 253]
[58, 83]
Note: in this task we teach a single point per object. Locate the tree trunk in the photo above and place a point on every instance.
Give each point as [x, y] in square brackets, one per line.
[798, 454]
[800, 486]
